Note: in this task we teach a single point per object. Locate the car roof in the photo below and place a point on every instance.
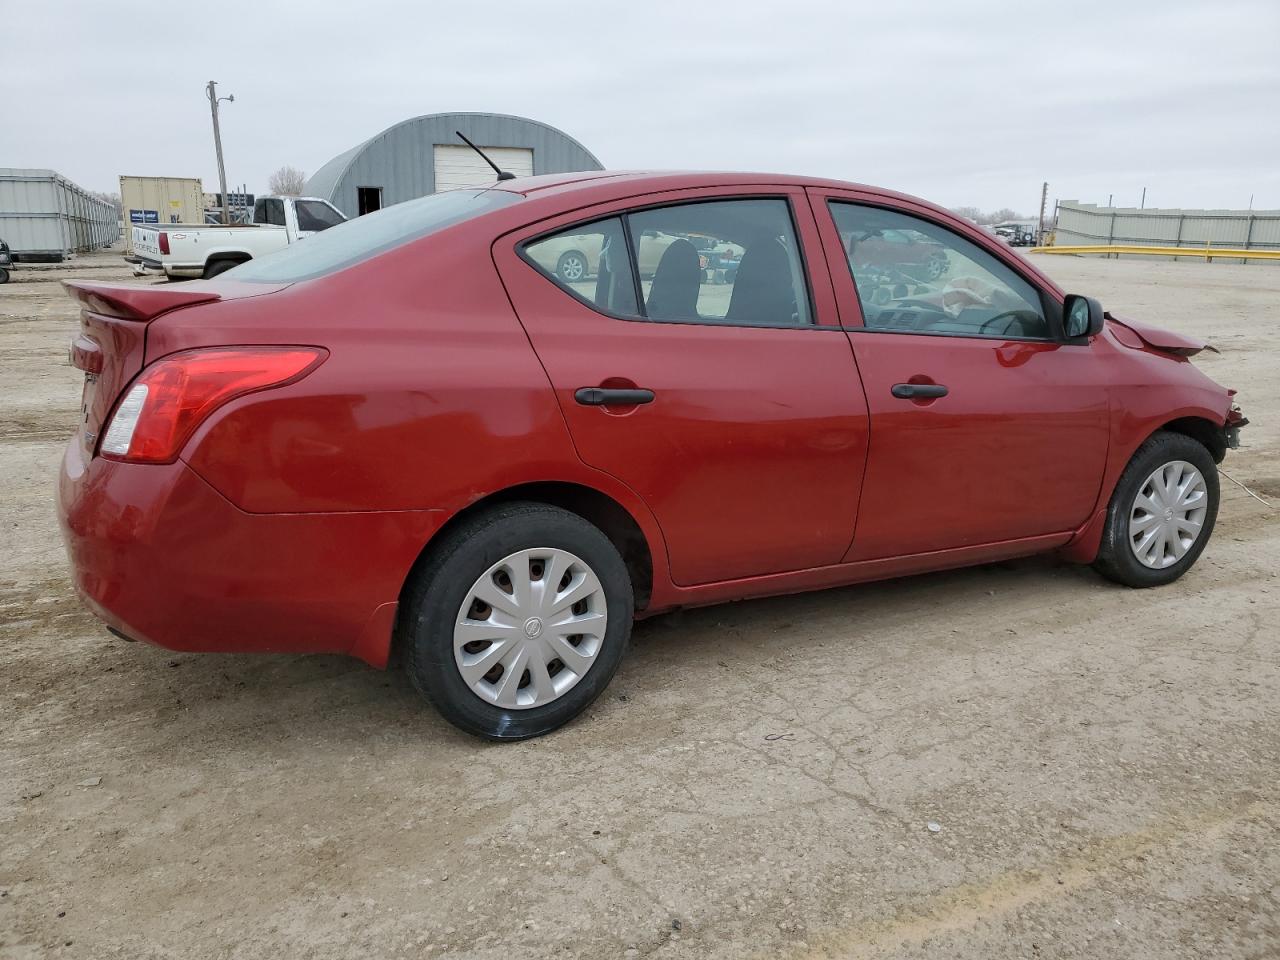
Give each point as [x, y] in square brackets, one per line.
[568, 191]
[657, 180]
[593, 186]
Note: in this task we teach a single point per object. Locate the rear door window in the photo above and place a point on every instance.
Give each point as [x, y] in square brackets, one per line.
[721, 261]
[591, 262]
[734, 262]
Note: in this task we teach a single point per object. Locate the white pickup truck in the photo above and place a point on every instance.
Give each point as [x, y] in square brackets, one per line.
[184, 250]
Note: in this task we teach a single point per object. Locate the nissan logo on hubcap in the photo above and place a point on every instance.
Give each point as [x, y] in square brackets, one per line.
[533, 627]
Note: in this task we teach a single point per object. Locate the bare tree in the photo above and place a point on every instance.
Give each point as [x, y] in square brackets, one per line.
[986, 219]
[287, 182]
[1003, 214]
[111, 198]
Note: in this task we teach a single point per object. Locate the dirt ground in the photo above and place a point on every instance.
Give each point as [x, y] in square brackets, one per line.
[759, 781]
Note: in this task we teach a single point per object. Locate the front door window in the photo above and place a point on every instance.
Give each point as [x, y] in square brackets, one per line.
[914, 276]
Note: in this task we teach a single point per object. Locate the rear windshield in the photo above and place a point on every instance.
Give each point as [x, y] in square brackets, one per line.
[349, 243]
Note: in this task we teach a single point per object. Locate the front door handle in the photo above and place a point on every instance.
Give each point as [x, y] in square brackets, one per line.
[606, 396]
[918, 391]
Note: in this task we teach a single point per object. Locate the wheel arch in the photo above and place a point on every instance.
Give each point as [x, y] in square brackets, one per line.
[596, 507]
[1201, 429]
[1198, 423]
[224, 256]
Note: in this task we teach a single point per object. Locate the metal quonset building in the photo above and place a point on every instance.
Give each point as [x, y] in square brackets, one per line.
[424, 155]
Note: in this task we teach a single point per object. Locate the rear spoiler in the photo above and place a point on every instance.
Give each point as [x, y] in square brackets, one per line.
[140, 303]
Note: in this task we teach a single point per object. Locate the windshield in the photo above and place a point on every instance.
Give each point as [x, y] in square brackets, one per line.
[357, 240]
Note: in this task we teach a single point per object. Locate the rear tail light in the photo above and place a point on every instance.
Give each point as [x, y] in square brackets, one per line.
[164, 243]
[176, 394]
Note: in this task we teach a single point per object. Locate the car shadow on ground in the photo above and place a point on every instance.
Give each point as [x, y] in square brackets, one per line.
[342, 701]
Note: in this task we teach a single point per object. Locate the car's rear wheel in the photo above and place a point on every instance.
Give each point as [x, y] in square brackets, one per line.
[4, 275]
[518, 621]
[572, 266]
[1161, 514]
[219, 266]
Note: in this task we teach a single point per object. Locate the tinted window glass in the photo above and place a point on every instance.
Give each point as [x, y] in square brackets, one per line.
[590, 261]
[314, 215]
[916, 277]
[724, 261]
[269, 212]
[355, 240]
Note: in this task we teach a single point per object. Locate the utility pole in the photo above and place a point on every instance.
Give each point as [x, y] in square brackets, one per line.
[1044, 197]
[1143, 205]
[211, 91]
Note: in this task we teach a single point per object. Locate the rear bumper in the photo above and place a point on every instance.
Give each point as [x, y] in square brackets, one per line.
[159, 555]
[142, 265]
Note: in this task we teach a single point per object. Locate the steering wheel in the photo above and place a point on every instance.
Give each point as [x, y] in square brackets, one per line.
[1009, 317]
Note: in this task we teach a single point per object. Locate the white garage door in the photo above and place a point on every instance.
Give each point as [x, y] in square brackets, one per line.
[460, 166]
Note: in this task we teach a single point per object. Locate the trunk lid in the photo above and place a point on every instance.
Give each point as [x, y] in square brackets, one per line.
[110, 348]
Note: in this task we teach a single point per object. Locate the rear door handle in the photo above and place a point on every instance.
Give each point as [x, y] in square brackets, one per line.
[918, 391]
[605, 396]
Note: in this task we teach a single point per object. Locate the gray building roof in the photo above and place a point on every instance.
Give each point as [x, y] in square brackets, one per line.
[401, 159]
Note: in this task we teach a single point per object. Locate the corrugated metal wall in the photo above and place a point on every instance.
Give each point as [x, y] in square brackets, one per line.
[171, 199]
[401, 160]
[43, 214]
[1084, 224]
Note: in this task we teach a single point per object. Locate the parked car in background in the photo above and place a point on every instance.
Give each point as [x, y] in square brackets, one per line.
[6, 262]
[187, 250]
[412, 439]
[1016, 235]
[718, 259]
[918, 258]
[577, 257]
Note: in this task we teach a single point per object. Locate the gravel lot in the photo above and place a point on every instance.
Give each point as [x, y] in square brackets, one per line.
[1102, 763]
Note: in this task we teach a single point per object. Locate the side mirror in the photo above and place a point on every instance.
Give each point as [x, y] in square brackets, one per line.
[1081, 317]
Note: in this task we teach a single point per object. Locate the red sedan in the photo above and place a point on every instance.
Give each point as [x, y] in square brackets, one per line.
[408, 436]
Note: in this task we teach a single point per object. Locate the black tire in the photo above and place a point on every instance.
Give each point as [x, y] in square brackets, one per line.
[4, 275]
[438, 590]
[936, 266]
[572, 266]
[1116, 560]
[219, 266]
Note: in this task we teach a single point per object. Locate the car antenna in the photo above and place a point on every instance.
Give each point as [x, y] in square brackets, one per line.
[502, 174]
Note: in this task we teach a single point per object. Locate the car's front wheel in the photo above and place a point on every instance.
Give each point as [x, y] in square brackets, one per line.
[519, 621]
[1161, 514]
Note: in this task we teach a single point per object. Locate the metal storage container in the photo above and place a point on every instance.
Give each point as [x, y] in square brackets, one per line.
[44, 216]
[146, 200]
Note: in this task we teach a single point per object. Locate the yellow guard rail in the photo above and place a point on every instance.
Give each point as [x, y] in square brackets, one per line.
[1206, 252]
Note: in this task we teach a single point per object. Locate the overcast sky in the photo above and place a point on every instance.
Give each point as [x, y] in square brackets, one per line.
[964, 102]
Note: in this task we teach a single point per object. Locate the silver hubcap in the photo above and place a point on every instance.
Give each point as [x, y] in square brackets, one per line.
[530, 628]
[573, 268]
[1168, 514]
